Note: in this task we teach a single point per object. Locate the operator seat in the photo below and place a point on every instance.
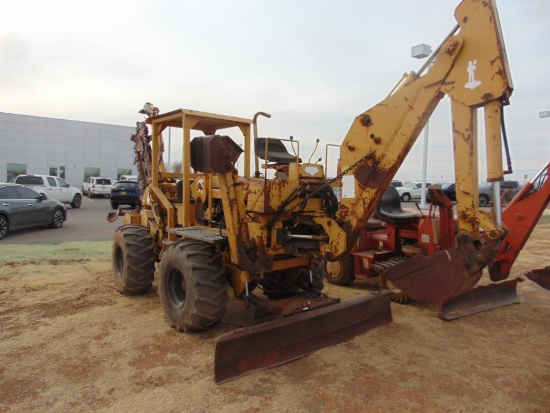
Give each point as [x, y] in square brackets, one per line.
[276, 151]
[389, 209]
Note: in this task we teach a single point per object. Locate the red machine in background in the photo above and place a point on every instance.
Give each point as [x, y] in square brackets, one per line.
[395, 235]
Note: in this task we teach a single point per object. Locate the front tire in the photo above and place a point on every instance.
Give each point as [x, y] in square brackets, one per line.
[57, 219]
[133, 260]
[77, 201]
[192, 285]
[405, 197]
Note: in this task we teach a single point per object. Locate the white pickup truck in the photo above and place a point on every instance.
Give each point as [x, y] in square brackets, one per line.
[412, 190]
[53, 187]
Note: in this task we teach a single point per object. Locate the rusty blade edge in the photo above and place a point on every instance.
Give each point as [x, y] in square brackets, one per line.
[278, 342]
[540, 277]
[479, 299]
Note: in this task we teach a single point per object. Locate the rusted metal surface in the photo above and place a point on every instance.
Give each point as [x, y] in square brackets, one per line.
[540, 277]
[142, 151]
[277, 342]
[429, 279]
[260, 309]
[112, 216]
[214, 154]
[436, 278]
[481, 298]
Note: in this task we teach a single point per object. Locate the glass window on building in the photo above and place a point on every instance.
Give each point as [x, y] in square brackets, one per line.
[15, 169]
[91, 171]
[121, 172]
[57, 171]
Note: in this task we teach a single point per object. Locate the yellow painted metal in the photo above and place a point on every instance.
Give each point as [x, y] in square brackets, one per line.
[471, 68]
[261, 214]
[188, 120]
[336, 235]
[466, 167]
[235, 218]
[493, 140]
[239, 278]
[380, 146]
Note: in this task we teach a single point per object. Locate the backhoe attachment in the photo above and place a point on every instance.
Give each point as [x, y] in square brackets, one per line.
[448, 278]
[479, 299]
[540, 277]
[277, 342]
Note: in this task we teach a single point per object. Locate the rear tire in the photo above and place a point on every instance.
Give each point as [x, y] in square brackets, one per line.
[192, 285]
[484, 200]
[133, 260]
[77, 201]
[114, 205]
[341, 272]
[4, 226]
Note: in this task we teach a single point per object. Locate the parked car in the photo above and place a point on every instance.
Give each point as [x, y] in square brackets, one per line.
[485, 194]
[53, 187]
[125, 193]
[23, 207]
[128, 178]
[449, 190]
[413, 190]
[97, 186]
[396, 183]
[507, 188]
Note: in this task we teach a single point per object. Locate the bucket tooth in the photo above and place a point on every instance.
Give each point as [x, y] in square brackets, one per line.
[479, 299]
[277, 342]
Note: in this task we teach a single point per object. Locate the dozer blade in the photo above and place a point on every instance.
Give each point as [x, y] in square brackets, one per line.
[540, 277]
[277, 342]
[429, 279]
[478, 299]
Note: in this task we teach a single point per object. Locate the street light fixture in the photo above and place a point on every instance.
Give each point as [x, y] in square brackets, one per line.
[421, 51]
[546, 114]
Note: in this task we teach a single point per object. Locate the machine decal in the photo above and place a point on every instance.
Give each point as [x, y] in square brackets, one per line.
[472, 82]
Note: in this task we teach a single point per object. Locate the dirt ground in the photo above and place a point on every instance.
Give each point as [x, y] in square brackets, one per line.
[69, 342]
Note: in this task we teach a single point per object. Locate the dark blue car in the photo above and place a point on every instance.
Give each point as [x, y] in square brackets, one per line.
[125, 193]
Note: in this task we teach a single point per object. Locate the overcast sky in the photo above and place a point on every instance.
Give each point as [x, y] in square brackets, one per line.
[313, 64]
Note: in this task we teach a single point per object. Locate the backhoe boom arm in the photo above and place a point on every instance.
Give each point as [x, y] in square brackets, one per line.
[471, 68]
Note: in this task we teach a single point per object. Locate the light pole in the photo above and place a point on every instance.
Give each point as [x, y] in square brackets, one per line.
[421, 51]
[546, 114]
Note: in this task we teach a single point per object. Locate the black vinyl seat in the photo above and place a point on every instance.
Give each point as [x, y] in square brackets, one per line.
[389, 209]
[276, 151]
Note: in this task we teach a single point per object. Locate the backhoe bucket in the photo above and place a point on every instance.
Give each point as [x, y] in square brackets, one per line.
[481, 298]
[277, 342]
[540, 277]
[431, 279]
